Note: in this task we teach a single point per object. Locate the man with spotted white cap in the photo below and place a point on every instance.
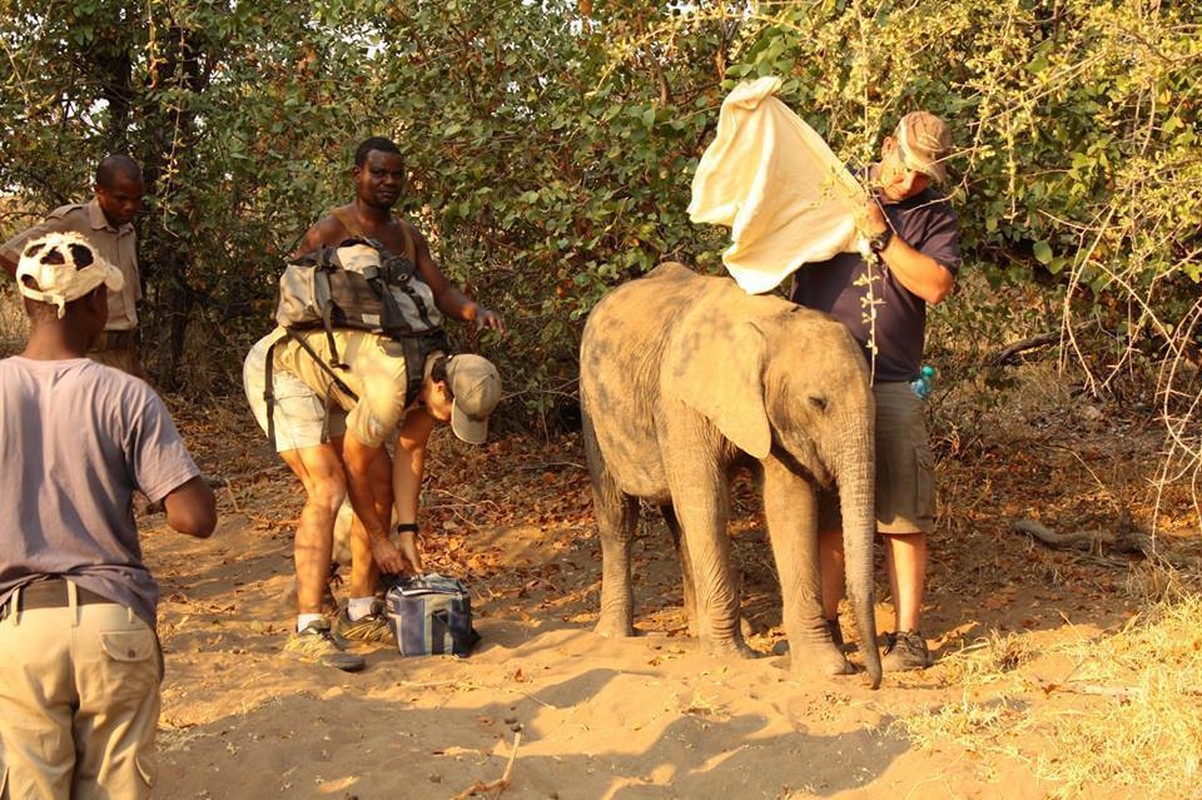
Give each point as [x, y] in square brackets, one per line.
[80, 663]
[914, 238]
[60, 268]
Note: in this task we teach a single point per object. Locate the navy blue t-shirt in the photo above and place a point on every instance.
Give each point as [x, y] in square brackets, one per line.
[839, 287]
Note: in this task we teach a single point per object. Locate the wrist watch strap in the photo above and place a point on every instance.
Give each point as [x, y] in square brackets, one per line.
[881, 240]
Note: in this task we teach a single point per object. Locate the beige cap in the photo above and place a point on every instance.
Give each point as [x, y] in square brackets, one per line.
[476, 386]
[64, 267]
[925, 141]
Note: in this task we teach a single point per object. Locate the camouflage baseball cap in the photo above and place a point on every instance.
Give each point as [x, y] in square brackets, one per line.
[925, 141]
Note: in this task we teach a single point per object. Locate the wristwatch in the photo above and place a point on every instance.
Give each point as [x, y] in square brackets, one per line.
[881, 240]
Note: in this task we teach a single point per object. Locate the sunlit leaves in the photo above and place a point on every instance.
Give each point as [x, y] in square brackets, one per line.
[551, 145]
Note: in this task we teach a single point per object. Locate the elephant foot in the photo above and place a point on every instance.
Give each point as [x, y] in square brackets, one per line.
[731, 648]
[816, 660]
[614, 629]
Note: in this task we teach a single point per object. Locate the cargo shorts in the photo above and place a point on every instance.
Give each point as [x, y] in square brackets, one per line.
[301, 417]
[905, 481]
[79, 700]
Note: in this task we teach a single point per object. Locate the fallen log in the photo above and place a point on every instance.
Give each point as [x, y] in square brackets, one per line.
[1126, 540]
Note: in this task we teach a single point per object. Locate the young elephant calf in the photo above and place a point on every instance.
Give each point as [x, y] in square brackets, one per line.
[683, 378]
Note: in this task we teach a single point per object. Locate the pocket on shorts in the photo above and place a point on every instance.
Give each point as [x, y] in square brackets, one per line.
[132, 663]
[924, 484]
[129, 646]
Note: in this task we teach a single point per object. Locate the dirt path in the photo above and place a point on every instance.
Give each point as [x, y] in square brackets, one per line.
[643, 718]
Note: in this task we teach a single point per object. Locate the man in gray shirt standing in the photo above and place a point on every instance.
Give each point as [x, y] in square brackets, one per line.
[80, 663]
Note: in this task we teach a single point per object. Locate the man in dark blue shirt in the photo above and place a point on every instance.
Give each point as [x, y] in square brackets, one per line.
[914, 236]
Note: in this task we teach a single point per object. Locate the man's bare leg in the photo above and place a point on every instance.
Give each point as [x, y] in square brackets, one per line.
[365, 575]
[320, 470]
[362, 620]
[830, 568]
[906, 554]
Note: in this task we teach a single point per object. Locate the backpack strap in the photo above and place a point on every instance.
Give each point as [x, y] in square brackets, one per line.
[348, 222]
[269, 373]
[423, 313]
[269, 388]
[417, 348]
[328, 368]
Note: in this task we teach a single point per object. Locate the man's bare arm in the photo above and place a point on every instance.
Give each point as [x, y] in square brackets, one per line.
[191, 508]
[358, 458]
[447, 296]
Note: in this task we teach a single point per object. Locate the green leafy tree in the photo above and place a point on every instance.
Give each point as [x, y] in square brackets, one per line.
[552, 147]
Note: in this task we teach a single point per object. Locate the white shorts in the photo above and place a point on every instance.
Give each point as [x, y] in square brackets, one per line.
[301, 417]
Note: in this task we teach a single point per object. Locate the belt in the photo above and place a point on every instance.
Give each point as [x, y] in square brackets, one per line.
[51, 593]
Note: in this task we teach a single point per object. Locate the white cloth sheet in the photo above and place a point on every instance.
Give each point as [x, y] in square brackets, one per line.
[770, 177]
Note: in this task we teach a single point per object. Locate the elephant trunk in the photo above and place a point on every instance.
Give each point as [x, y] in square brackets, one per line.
[857, 498]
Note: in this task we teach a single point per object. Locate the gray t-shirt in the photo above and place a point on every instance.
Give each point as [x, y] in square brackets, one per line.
[76, 439]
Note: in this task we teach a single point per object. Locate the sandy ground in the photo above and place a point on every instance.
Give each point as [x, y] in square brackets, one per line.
[568, 714]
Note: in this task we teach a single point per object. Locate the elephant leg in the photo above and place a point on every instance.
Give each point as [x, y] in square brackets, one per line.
[791, 511]
[702, 508]
[686, 566]
[617, 515]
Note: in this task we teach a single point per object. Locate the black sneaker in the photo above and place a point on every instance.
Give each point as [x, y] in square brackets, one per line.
[905, 651]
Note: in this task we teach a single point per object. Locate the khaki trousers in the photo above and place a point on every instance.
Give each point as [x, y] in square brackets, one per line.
[118, 349]
[79, 702]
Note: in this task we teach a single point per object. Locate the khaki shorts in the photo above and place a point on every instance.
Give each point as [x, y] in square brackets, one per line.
[301, 417]
[79, 702]
[905, 485]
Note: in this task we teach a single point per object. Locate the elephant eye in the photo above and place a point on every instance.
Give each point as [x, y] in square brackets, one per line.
[818, 402]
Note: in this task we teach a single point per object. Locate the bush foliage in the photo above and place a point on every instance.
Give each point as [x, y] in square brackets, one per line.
[551, 146]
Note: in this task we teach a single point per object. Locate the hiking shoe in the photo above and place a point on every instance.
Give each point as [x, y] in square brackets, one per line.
[373, 628]
[905, 651]
[317, 645]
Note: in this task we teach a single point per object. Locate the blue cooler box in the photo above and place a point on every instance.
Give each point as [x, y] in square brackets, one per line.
[431, 615]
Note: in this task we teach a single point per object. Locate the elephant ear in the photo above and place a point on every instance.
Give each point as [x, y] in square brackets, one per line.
[718, 370]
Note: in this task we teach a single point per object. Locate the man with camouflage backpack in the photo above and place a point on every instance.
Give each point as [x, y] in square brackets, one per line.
[330, 426]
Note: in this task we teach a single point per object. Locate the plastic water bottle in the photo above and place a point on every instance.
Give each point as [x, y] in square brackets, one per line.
[922, 384]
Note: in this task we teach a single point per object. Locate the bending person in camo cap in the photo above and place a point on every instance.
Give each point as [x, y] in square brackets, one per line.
[334, 442]
[461, 389]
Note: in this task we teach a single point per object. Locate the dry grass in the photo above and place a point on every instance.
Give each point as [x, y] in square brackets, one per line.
[1133, 723]
[1149, 732]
